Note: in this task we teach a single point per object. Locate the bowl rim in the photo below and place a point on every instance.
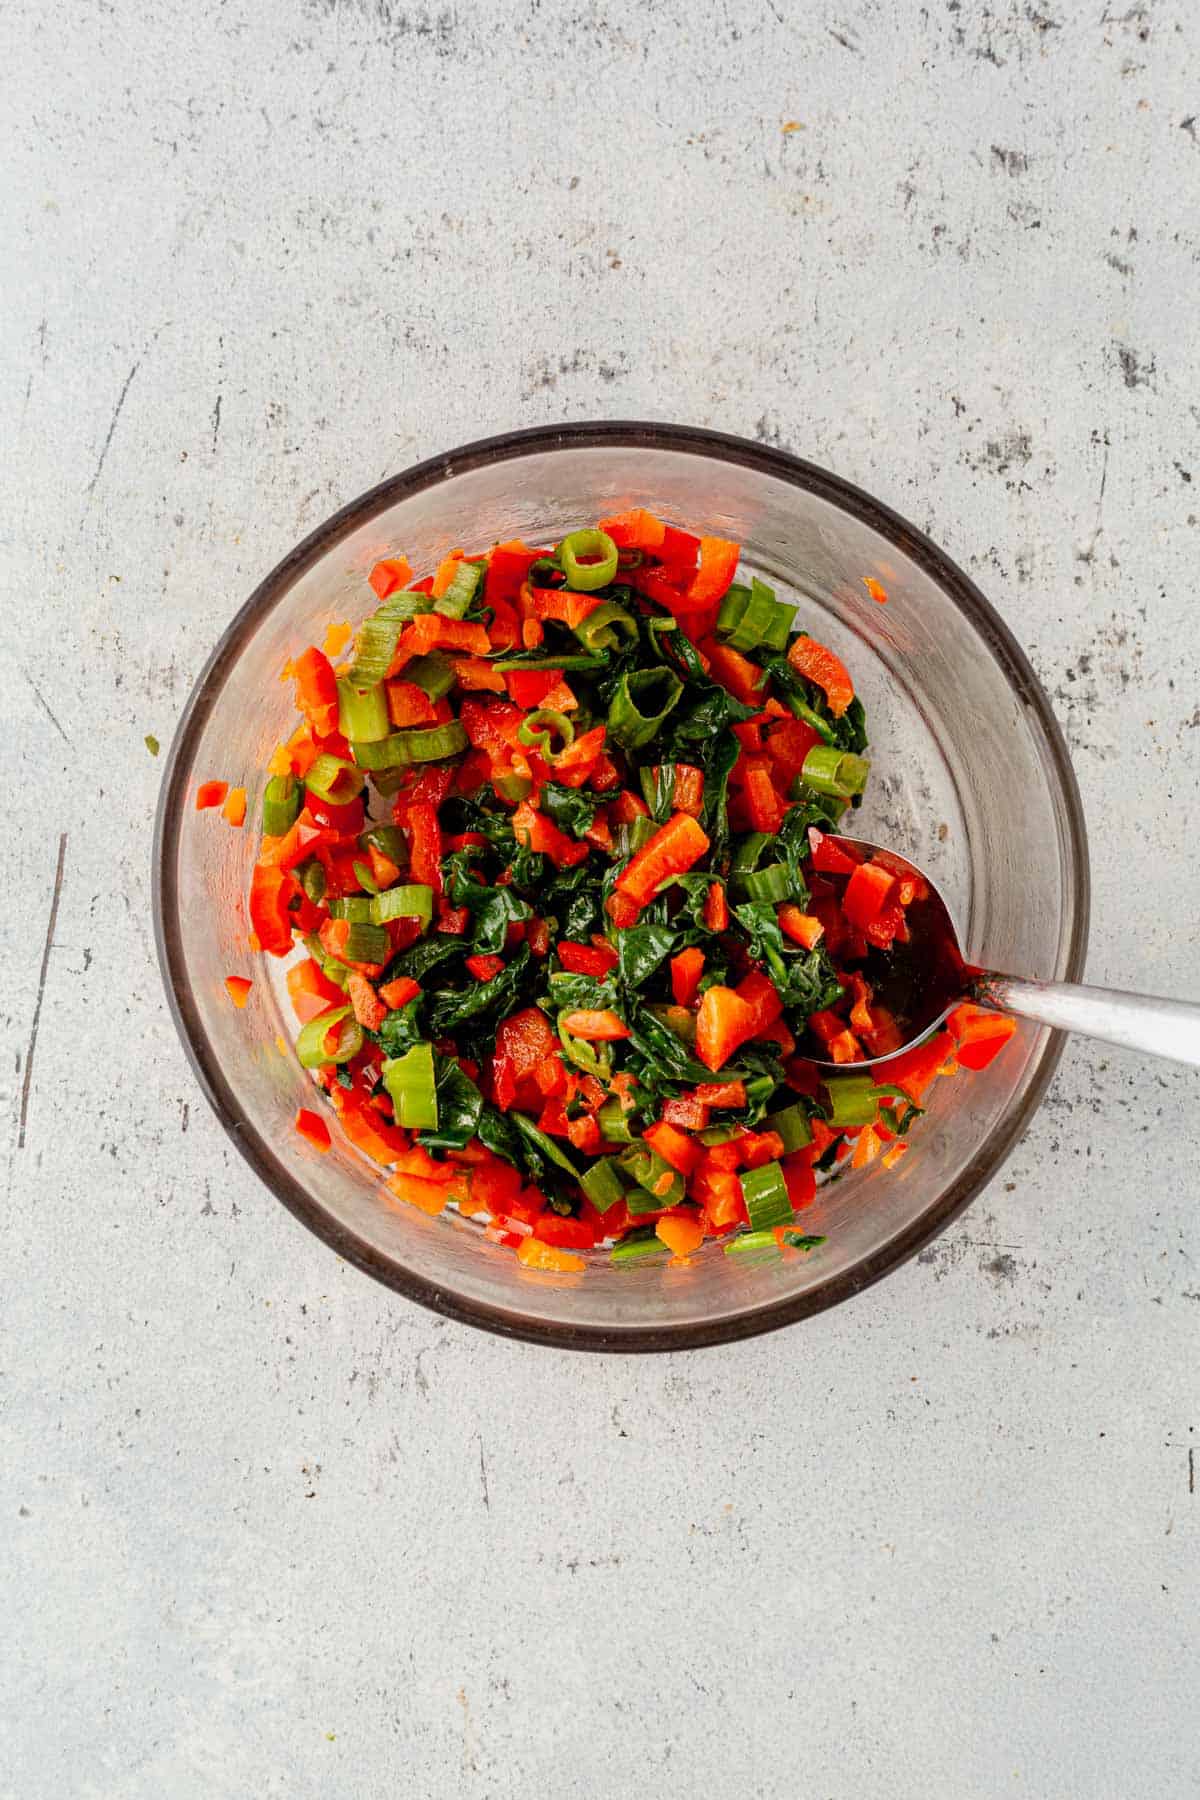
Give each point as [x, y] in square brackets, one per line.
[511, 445]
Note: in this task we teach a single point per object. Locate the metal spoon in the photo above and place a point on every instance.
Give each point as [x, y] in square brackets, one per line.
[922, 980]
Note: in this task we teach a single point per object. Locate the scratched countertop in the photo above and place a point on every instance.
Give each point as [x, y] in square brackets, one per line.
[266, 1528]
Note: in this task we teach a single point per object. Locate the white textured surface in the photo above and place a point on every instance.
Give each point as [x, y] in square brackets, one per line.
[266, 1528]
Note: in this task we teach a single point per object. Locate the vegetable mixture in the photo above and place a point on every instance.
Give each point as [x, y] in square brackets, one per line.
[554, 838]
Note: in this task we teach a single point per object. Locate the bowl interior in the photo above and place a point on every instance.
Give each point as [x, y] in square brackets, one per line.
[970, 780]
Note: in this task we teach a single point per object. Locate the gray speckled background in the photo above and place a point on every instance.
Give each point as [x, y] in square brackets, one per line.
[269, 1530]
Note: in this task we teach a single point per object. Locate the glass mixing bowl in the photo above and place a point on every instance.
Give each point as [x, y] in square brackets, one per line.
[972, 781]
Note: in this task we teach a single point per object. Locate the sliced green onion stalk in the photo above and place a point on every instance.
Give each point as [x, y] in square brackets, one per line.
[792, 1124]
[800, 710]
[420, 744]
[765, 1193]
[839, 773]
[800, 1240]
[637, 1245]
[589, 560]
[364, 877]
[535, 732]
[746, 854]
[759, 1089]
[311, 1047]
[543, 660]
[613, 1121]
[645, 1168]
[602, 1185]
[607, 627]
[313, 879]
[366, 943]
[355, 908]
[332, 779]
[375, 645]
[433, 673]
[593, 1059]
[388, 781]
[387, 839]
[852, 1100]
[411, 901]
[640, 706]
[640, 832]
[752, 619]
[773, 883]
[459, 595]
[362, 711]
[513, 787]
[409, 1079]
[747, 1242]
[282, 799]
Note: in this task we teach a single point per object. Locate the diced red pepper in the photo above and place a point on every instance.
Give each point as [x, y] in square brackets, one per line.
[484, 968]
[566, 1234]
[238, 989]
[316, 691]
[979, 1033]
[419, 822]
[398, 993]
[686, 970]
[270, 890]
[635, 530]
[688, 795]
[508, 565]
[673, 849]
[537, 832]
[674, 1146]
[596, 1026]
[313, 1129]
[744, 679]
[716, 908]
[390, 575]
[825, 670]
[408, 704]
[764, 809]
[586, 959]
[686, 1112]
[868, 892]
[803, 928]
[718, 561]
[210, 794]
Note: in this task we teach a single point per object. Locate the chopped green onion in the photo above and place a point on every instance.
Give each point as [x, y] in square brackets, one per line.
[282, 799]
[746, 1242]
[747, 852]
[313, 879]
[535, 729]
[362, 711]
[759, 1089]
[605, 628]
[838, 773]
[333, 780]
[409, 1079]
[151, 743]
[544, 660]
[765, 1193]
[433, 673]
[646, 1168]
[310, 1045]
[751, 618]
[388, 781]
[640, 705]
[799, 1240]
[329, 966]
[614, 1122]
[773, 883]
[420, 744]
[600, 567]
[719, 1134]
[378, 636]
[800, 710]
[792, 1125]
[387, 839]
[459, 595]
[414, 901]
[602, 1185]
[366, 943]
[513, 787]
[635, 1245]
[364, 877]
[355, 908]
[852, 1100]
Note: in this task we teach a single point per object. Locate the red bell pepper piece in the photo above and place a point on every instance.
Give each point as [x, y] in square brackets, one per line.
[677, 554]
[744, 679]
[688, 1113]
[829, 858]
[868, 892]
[508, 565]
[825, 670]
[238, 989]
[688, 795]
[310, 991]
[484, 968]
[420, 824]
[390, 575]
[316, 691]
[210, 793]
[586, 959]
[536, 832]
[803, 928]
[718, 561]
[529, 687]
[398, 993]
[581, 761]
[716, 908]
[408, 705]
[764, 808]
[270, 890]
[636, 529]
[566, 1234]
[788, 742]
[979, 1034]
[313, 1129]
[674, 1146]
[596, 1026]
[673, 849]
[686, 970]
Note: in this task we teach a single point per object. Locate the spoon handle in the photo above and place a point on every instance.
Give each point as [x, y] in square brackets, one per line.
[1169, 1028]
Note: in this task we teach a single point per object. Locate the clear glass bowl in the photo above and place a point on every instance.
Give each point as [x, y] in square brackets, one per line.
[972, 781]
